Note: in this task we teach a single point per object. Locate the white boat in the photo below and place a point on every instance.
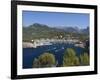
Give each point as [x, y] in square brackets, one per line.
[41, 43]
[47, 43]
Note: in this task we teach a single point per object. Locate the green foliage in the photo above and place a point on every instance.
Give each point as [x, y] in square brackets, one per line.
[38, 31]
[45, 60]
[84, 59]
[70, 58]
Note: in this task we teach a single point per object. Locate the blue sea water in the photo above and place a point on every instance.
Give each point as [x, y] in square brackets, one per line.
[57, 49]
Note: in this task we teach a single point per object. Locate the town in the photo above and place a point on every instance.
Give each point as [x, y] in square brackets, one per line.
[41, 42]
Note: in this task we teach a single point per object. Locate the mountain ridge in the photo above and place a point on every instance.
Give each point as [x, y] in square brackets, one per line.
[37, 30]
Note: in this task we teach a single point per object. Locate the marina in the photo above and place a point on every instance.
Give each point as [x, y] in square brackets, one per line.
[58, 49]
[42, 42]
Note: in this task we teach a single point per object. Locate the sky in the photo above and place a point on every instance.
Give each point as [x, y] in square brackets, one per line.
[55, 19]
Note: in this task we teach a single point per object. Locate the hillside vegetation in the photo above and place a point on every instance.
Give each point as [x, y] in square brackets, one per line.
[38, 31]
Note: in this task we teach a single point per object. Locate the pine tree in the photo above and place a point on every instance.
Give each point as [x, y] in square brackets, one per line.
[70, 58]
[45, 60]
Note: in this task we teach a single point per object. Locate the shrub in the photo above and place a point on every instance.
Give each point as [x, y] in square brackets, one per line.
[45, 60]
[70, 58]
[84, 59]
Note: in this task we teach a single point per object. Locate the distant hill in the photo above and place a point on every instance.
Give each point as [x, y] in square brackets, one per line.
[71, 29]
[37, 31]
[76, 30]
[85, 31]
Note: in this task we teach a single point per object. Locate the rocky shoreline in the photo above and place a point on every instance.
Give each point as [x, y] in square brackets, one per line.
[28, 45]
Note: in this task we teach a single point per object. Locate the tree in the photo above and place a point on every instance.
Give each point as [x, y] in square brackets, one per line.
[36, 63]
[84, 59]
[70, 58]
[45, 60]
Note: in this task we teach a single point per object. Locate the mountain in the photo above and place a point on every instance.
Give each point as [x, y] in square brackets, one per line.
[76, 30]
[37, 31]
[71, 29]
[86, 31]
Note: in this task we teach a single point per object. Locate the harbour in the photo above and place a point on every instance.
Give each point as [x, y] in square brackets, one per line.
[58, 49]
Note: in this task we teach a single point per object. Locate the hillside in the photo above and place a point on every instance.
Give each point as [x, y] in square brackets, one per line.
[37, 31]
